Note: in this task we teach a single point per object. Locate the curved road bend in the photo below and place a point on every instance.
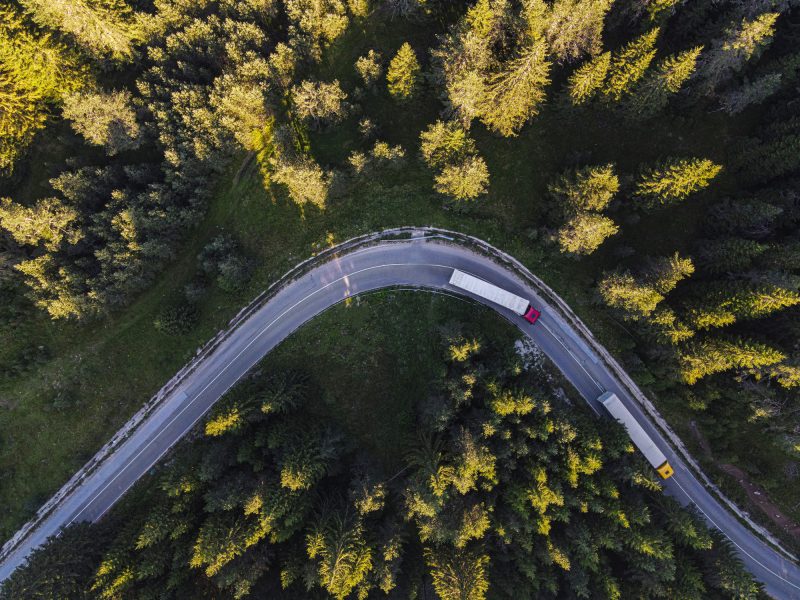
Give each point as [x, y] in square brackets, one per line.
[421, 263]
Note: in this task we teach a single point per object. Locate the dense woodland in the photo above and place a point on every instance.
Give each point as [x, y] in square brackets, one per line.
[506, 492]
[152, 102]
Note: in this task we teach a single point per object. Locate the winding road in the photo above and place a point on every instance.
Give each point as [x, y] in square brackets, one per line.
[424, 262]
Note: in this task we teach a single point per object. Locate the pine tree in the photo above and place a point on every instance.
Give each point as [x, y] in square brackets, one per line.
[36, 72]
[634, 297]
[57, 289]
[315, 23]
[585, 232]
[587, 80]
[771, 159]
[572, 28]
[63, 568]
[730, 54]
[675, 180]
[665, 272]
[667, 327]
[639, 296]
[224, 536]
[461, 65]
[655, 9]
[105, 27]
[403, 76]
[461, 173]
[715, 355]
[444, 143]
[514, 94]
[652, 93]
[588, 188]
[465, 180]
[369, 68]
[104, 119]
[319, 103]
[726, 302]
[49, 223]
[744, 216]
[629, 65]
[304, 179]
[752, 92]
[341, 552]
[725, 255]
[458, 574]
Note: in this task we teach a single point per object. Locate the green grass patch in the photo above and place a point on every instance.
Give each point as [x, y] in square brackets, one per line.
[375, 357]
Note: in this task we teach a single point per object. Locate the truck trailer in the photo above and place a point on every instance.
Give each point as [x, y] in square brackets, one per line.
[639, 436]
[484, 289]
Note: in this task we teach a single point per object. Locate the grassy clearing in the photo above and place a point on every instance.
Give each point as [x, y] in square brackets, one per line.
[372, 360]
[110, 368]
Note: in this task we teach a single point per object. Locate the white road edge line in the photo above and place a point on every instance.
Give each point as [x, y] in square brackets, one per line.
[753, 558]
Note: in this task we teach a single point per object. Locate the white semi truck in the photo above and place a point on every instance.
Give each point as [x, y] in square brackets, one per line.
[639, 436]
[484, 289]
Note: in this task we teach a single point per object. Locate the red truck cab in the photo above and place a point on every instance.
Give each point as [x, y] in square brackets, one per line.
[531, 315]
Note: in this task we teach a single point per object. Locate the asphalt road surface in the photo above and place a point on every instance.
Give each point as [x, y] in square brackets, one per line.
[418, 263]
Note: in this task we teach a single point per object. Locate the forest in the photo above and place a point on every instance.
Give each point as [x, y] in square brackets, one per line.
[504, 490]
[163, 161]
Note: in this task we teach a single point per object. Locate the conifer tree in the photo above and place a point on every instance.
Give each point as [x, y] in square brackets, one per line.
[458, 574]
[652, 93]
[655, 9]
[403, 76]
[675, 180]
[728, 254]
[315, 23]
[105, 27]
[465, 180]
[751, 92]
[629, 65]
[369, 68]
[104, 119]
[462, 64]
[572, 28]
[639, 296]
[588, 188]
[444, 143]
[49, 223]
[581, 195]
[587, 80]
[726, 302]
[715, 355]
[730, 54]
[57, 289]
[771, 159]
[36, 72]
[61, 569]
[666, 326]
[340, 550]
[585, 232]
[448, 149]
[514, 94]
[744, 216]
[319, 103]
[634, 297]
[666, 272]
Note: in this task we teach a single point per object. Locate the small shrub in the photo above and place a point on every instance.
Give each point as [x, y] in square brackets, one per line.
[176, 318]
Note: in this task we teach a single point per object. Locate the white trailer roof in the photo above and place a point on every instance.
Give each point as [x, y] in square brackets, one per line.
[484, 289]
[638, 435]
